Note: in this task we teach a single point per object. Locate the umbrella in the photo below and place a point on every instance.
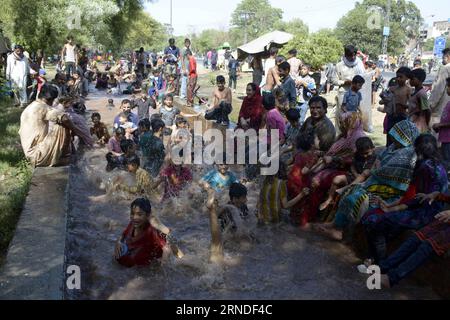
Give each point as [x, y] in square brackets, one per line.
[262, 44]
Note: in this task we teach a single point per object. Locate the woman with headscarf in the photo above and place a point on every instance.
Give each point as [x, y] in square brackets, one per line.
[389, 182]
[336, 162]
[251, 112]
[409, 212]
[17, 71]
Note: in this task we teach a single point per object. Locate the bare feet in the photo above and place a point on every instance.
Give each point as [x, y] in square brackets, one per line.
[325, 204]
[321, 226]
[331, 233]
[306, 227]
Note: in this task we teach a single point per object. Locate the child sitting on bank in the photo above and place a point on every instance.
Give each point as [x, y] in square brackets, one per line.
[141, 243]
[352, 98]
[274, 196]
[99, 129]
[291, 134]
[222, 105]
[363, 163]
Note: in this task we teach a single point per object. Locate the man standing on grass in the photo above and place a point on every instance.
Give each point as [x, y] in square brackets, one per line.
[17, 71]
[184, 68]
[192, 77]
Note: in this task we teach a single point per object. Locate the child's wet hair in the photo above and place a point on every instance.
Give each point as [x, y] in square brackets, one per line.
[269, 101]
[403, 70]
[448, 81]
[392, 82]
[143, 204]
[358, 80]
[363, 144]
[145, 124]
[134, 160]
[284, 66]
[237, 190]
[120, 131]
[157, 124]
[179, 120]
[419, 74]
[110, 101]
[126, 145]
[168, 96]
[305, 141]
[293, 114]
[220, 79]
[96, 115]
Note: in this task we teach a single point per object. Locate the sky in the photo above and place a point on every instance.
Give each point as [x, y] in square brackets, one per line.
[191, 16]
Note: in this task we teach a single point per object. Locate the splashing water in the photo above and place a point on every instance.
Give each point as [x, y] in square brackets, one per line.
[277, 262]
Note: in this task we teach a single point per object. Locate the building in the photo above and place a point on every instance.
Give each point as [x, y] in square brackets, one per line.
[440, 28]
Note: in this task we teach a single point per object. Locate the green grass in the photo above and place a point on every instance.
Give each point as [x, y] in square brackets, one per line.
[15, 173]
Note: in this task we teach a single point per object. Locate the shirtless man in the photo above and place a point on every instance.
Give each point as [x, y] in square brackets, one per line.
[273, 77]
[222, 103]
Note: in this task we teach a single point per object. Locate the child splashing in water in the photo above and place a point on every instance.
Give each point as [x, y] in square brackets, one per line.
[141, 243]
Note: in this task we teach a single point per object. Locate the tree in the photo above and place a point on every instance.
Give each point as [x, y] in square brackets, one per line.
[255, 17]
[44, 24]
[316, 49]
[295, 26]
[145, 32]
[359, 28]
[209, 39]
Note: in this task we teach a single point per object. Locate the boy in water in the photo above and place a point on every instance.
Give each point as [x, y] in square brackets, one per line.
[222, 103]
[145, 184]
[218, 178]
[232, 215]
[110, 104]
[141, 243]
[99, 129]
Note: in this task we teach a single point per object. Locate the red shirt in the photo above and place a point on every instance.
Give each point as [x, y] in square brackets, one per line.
[192, 67]
[142, 250]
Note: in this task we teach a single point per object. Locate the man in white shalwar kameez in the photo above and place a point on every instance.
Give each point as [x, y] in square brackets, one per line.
[17, 71]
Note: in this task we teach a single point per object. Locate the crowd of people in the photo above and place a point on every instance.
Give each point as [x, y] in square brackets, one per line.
[331, 177]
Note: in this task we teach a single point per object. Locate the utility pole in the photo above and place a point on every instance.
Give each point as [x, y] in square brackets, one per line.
[245, 16]
[171, 18]
[386, 29]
